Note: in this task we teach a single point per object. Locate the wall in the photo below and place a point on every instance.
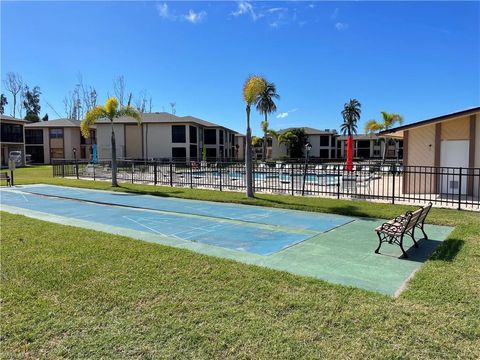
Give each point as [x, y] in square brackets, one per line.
[133, 141]
[159, 141]
[104, 147]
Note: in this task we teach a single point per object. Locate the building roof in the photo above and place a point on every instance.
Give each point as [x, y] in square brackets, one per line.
[54, 123]
[311, 131]
[398, 131]
[163, 117]
[11, 118]
[359, 137]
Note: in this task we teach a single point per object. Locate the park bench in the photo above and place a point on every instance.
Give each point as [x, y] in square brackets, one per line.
[6, 177]
[394, 230]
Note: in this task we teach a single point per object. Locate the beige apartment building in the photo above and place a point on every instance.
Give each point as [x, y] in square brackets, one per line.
[451, 141]
[46, 141]
[166, 136]
[12, 138]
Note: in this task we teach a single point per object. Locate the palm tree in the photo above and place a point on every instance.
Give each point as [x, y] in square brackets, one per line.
[109, 111]
[288, 138]
[266, 133]
[252, 87]
[388, 120]
[265, 105]
[351, 114]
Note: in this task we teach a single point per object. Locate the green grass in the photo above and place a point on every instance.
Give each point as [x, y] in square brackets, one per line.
[76, 293]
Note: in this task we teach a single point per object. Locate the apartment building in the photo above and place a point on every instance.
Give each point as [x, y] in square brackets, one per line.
[46, 141]
[162, 135]
[12, 138]
[370, 146]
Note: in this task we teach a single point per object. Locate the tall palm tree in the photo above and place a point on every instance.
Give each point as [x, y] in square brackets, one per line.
[109, 111]
[252, 87]
[351, 114]
[265, 105]
[388, 120]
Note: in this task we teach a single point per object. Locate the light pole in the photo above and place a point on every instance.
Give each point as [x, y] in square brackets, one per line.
[75, 159]
[308, 147]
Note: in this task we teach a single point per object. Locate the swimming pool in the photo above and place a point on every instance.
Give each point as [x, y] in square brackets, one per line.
[283, 176]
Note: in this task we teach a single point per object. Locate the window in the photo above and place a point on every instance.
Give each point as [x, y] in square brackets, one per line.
[56, 153]
[34, 136]
[211, 153]
[324, 153]
[333, 154]
[193, 152]
[324, 140]
[210, 136]
[36, 152]
[178, 134]
[179, 152]
[12, 133]
[56, 133]
[220, 133]
[193, 134]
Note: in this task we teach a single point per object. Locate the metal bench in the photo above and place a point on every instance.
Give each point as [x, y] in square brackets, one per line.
[6, 177]
[394, 230]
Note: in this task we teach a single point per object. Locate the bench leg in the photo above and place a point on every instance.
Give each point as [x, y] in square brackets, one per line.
[423, 231]
[401, 247]
[377, 251]
[412, 235]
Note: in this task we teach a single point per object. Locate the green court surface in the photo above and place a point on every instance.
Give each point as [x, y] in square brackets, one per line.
[341, 254]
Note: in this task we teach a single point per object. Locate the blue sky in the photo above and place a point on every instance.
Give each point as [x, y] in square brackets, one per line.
[420, 59]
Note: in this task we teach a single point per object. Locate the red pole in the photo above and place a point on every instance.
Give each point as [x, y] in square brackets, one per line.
[349, 163]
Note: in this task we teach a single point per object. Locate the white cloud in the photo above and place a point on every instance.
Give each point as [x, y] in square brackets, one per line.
[194, 17]
[341, 26]
[285, 114]
[271, 10]
[163, 11]
[311, 6]
[334, 14]
[245, 7]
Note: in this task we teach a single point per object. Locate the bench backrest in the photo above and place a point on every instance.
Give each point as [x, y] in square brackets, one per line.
[4, 176]
[413, 218]
[425, 211]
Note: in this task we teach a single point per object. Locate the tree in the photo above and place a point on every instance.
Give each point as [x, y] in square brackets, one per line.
[351, 114]
[257, 141]
[388, 120]
[45, 118]
[119, 89]
[253, 86]
[14, 84]
[3, 102]
[110, 111]
[32, 104]
[294, 139]
[266, 134]
[265, 105]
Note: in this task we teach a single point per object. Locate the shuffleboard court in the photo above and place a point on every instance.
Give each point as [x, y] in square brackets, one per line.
[338, 249]
[261, 231]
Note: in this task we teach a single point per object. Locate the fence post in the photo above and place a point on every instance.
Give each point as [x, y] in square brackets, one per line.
[338, 182]
[191, 176]
[76, 168]
[133, 170]
[93, 171]
[171, 174]
[460, 189]
[63, 169]
[155, 173]
[292, 178]
[393, 184]
[220, 174]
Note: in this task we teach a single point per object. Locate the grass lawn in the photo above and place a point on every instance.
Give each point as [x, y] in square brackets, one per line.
[76, 293]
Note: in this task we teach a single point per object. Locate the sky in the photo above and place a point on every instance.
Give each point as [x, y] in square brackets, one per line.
[419, 59]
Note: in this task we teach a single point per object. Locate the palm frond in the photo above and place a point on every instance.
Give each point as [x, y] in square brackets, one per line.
[252, 87]
[98, 112]
[372, 126]
[129, 111]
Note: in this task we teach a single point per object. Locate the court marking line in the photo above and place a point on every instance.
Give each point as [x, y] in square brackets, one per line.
[168, 212]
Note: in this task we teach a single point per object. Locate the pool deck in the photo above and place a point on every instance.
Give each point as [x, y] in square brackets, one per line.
[342, 255]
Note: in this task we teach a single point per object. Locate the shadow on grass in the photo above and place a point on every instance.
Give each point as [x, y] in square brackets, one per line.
[448, 250]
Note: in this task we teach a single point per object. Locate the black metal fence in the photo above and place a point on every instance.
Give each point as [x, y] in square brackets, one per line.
[393, 183]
